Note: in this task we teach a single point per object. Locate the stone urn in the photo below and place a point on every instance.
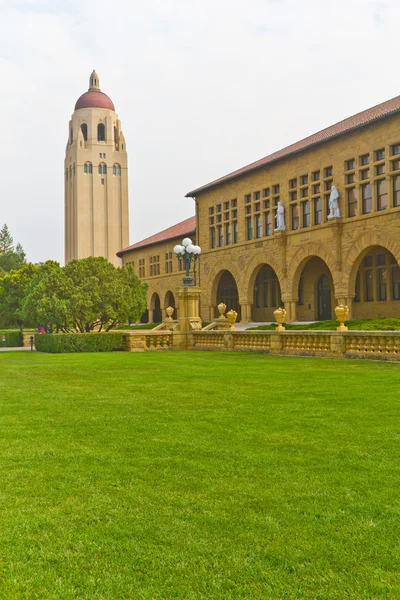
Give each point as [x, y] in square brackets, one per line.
[280, 316]
[221, 308]
[232, 316]
[170, 312]
[342, 312]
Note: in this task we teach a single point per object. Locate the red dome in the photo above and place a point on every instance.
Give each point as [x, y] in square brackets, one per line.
[94, 99]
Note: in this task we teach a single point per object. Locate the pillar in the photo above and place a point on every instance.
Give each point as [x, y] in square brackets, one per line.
[151, 317]
[245, 308]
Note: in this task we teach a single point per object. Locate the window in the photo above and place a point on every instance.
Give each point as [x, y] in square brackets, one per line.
[219, 207]
[295, 216]
[257, 207]
[142, 268]
[381, 259]
[365, 174]
[212, 237]
[395, 165]
[304, 179]
[168, 262]
[268, 223]
[293, 183]
[357, 297]
[352, 202]
[226, 205]
[234, 203]
[395, 149]
[350, 164]
[293, 196]
[328, 171]
[316, 176]
[84, 131]
[211, 210]
[101, 133]
[227, 233]
[226, 216]
[220, 236]
[249, 227]
[306, 214]
[219, 218]
[256, 195]
[102, 169]
[266, 204]
[266, 192]
[235, 232]
[366, 196]
[368, 260]
[85, 168]
[382, 284]
[102, 182]
[396, 283]
[328, 185]
[304, 192]
[369, 295]
[380, 154]
[380, 169]
[88, 168]
[350, 178]
[300, 292]
[275, 189]
[317, 211]
[396, 190]
[258, 226]
[364, 159]
[382, 194]
[316, 188]
[247, 198]
[116, 170]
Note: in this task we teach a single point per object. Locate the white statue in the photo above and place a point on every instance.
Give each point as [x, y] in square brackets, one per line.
[334, 210]
[280, 218]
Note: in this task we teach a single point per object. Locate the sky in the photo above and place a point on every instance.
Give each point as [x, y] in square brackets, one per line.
[202, 88]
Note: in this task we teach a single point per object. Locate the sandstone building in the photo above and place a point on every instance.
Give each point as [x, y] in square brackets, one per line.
[96, 179]
[316, 261]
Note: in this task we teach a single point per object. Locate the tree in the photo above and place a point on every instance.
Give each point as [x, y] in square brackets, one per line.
[13, 292]
[87, 294]
[6, 241]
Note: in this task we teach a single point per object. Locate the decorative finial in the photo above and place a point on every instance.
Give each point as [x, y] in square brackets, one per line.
[94, 82]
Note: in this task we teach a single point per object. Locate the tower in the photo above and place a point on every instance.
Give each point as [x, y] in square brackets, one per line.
[96, 179]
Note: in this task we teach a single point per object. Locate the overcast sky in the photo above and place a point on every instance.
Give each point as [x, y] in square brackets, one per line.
[201, 87]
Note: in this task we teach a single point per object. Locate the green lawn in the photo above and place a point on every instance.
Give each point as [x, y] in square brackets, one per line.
[198, 475]
[389, 324]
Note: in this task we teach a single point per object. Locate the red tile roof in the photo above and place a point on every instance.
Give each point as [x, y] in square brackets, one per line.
[361, 119]
[179, 230]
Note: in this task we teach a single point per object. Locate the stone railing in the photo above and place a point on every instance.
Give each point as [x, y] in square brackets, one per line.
[149, 340]
[380, 345]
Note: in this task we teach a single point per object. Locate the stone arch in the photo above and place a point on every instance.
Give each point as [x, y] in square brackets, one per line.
[305, 252]
[155, 307]
[215, 275]
[264, 258]
[169, 300]
[360, 248]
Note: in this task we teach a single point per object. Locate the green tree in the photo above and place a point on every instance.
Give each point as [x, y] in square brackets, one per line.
[6, 241]
[13, 291]
[86, 295]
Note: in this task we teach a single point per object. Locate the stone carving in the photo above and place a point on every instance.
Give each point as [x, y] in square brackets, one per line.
[206, 268]
[242, 262]
[334, 210]
[280, 218]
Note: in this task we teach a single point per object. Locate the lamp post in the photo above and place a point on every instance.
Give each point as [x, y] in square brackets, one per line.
[187, 253]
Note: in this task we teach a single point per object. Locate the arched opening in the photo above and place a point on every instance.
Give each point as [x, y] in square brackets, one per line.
[170, 301]
[116, 137]
[84, 131]
[266, 294]
[227, 293]
[101, 132]
[316, 296]
[324, 304]
[375, 281]
[145, 317]
[156, 308]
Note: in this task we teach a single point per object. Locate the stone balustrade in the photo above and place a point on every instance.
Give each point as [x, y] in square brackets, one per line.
[142, 341]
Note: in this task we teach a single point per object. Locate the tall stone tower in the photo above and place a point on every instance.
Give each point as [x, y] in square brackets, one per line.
[96, 179]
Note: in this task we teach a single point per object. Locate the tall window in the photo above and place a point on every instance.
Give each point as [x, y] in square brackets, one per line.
[352, 202]
[84, 131]
[382, 284]
[212, 237]
[382, 194]
[249, 227]
[116, 170]
[295, 216]
[366, 195]
[220, 236]
[258, 226]
[228, 233]
[306, 214]
[268, 223]
[396, 283]
[396, 190]
[101, 133]
[235, 232]
[102, 169]
[369, 295]
[317, 211]
[87, 168]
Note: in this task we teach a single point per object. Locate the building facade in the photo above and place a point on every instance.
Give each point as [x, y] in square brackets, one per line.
[322, 256]
[96, 179]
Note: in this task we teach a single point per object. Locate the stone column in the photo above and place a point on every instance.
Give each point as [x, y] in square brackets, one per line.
[290, 305]
[245, 308]
[151, 313]
[211, 313]
[189, 308]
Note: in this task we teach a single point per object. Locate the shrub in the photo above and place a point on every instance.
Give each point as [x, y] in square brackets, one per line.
[78, 342]
[13, 337]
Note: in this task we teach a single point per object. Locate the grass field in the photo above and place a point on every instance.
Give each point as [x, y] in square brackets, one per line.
[198, 476]
[389, 324]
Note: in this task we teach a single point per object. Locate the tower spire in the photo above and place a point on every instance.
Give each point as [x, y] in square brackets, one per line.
[94, 82]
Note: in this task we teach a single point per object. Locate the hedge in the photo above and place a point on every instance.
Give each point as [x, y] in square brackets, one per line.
[14, 338]
[78, 342]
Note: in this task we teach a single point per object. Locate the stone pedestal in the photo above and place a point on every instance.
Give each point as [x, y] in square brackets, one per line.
[189, 316]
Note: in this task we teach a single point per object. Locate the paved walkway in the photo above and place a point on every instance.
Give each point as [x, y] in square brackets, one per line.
[15, 349]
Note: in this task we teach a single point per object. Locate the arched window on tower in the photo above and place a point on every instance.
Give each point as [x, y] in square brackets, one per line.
[102, 169]
[84, 131]
[116, 170]
[116, 137]
[101, 132]
[87, 168]
[90, 168]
